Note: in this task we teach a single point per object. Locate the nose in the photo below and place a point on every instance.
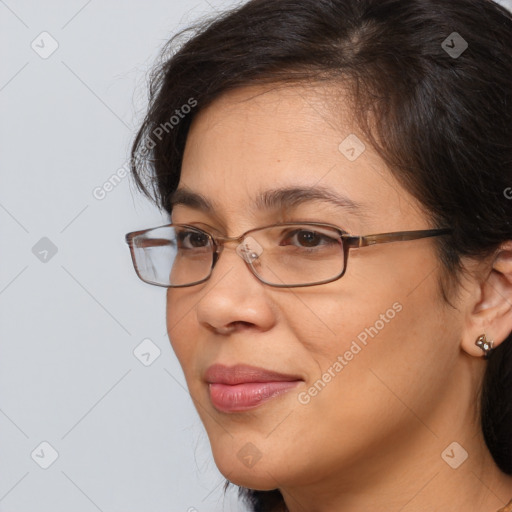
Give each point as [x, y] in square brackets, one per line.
[234, 297]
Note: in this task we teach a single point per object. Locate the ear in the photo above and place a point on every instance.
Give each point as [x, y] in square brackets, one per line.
[492, 312]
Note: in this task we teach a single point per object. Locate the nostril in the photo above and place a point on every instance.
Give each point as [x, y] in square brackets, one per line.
[233, 326]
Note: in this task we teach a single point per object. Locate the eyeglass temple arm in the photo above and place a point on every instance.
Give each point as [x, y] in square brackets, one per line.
[363, 241]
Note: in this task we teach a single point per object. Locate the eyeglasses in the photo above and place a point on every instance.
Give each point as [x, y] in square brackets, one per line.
[283, 255]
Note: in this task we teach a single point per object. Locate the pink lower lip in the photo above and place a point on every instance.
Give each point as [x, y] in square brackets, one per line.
[242, 397]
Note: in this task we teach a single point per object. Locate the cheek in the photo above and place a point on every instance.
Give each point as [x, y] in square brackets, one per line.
[181, 328]
[365, 359]
[376, 322]
[328, 322]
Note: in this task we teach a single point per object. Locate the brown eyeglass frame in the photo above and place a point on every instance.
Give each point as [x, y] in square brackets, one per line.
[348, 242]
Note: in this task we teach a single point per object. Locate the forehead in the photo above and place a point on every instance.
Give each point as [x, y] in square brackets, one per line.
[253, 147]
[265, 127]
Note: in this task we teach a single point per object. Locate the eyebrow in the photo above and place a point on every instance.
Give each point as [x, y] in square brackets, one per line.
[276, 199]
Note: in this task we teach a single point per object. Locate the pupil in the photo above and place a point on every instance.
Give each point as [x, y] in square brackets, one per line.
[197, 240]
[308, 238]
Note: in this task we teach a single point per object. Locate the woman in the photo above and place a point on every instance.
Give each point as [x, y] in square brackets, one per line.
[352, 350]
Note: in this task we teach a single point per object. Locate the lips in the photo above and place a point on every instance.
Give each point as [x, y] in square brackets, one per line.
[242, 373]
[242, 387]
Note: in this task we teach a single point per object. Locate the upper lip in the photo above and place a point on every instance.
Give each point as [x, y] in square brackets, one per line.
[241, 373]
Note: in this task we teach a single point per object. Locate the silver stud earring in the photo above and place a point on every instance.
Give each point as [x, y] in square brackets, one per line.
[485, 344]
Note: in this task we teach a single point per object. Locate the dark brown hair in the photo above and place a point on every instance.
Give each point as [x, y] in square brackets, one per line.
[441, 121]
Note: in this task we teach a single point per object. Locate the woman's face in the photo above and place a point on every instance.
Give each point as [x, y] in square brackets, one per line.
[370, 373]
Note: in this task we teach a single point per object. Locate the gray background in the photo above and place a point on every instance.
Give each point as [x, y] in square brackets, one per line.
[72, 311]
[127, 435]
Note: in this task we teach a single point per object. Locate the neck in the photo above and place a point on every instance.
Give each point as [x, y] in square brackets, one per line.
[417, 470]
[418, 481]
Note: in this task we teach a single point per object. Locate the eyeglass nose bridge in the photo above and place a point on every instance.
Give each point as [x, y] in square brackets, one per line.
[249, 253]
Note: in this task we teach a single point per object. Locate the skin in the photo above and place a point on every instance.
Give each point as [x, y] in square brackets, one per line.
[372, 439]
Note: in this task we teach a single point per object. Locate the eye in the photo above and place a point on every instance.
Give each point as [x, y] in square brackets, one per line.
[309, 239]
[192, 240]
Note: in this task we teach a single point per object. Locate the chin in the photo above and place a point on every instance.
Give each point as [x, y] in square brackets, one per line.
[244, 465]
[259, 479]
